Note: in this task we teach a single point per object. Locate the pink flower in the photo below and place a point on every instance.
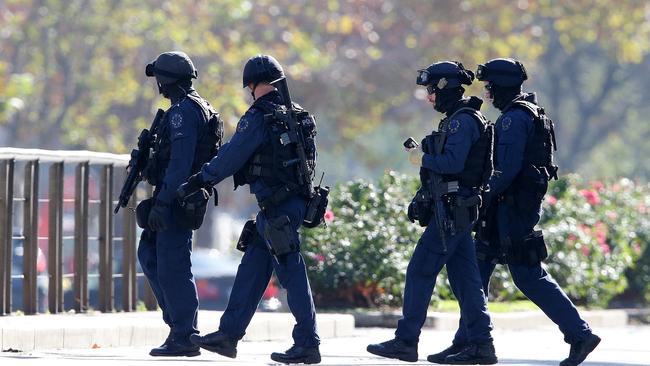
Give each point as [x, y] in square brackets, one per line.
[604, 247]
[571, 238]
[591, 196]
[612, 215]
[329, 216]
[597, 185]
[551, 200]
[636, 247]
[585, 250]
[319, 258]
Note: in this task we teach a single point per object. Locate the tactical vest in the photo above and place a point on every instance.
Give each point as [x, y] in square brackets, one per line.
[277, 162]
[539, 150]
[209, 139]
[479, 164]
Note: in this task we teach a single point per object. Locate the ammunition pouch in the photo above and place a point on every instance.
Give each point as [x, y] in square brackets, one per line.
[528, 190]
[316, 207]
[279, 235]
[249, 236]
[190, 212]
[530, 251]
[486, 228]
[465, 211]
[142, 213]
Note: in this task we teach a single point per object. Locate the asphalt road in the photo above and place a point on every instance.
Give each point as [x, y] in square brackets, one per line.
[629, 346]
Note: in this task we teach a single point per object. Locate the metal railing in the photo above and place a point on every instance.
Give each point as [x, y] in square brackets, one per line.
[110, 229]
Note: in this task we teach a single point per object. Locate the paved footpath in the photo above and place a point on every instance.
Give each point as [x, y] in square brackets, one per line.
[626, 346]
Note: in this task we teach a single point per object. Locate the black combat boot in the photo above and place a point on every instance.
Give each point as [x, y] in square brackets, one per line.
[395, 348]
[440, 357]
[580, 350]
[474, 354]
[175, 346]
[217, 342]
[297, 354]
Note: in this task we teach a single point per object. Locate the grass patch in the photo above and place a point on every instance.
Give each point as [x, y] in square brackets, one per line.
[493, 307]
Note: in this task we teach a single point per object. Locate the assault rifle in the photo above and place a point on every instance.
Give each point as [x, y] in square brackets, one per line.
[434, 187]
[138, 162]
[294, 135]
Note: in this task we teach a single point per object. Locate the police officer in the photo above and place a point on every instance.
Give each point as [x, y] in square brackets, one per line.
[463, 153]
[525, 141]
[184, 141]
[257, 155]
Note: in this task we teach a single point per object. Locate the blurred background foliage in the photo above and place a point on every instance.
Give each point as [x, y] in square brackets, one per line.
[597, 233]
[71, 72]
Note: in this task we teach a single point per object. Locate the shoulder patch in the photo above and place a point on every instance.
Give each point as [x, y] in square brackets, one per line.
[176, 120]
[242, 125]
[454, 125]
[506, 123]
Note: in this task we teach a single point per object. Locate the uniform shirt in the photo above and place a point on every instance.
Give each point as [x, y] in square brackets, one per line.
[250, 134]
[513, 130]
[182, 123]
[462, 133]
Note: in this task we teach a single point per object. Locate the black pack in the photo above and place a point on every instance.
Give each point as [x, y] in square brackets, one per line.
[279, 164]
[539, 151]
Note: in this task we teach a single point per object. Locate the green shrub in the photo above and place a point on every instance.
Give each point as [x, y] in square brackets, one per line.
[597, 236]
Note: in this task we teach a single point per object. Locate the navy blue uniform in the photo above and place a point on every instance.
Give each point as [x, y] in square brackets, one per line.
[460, 257]
[258, 264]
[514, 129]
[165, 255]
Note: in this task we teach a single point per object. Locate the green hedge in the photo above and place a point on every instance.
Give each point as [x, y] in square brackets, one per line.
[597, 234]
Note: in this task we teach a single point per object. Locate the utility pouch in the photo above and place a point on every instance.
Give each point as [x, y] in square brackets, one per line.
[534, 248]
[279, 234]
[465, 211]
[529, 251]
[249, 236]
[530, 187]
[423, 207]
[142, 213]
[191, 210]
[316, 207]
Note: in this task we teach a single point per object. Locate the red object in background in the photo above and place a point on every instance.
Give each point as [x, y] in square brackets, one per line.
[271, 290]
[206, 290]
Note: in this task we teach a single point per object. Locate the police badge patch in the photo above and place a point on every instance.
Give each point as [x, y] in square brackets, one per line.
[454, 125]
[242, 125]
[505, 124]
[177, 120]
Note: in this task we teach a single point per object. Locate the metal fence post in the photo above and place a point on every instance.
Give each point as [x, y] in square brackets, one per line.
[106, 240]
[150, 301]
[55, 239]
[81, 238]
[129, 293]
[30, 244]
[6, 227]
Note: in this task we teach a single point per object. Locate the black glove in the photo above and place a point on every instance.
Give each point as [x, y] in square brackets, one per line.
[193, 184]
[158, 217]
[412, 212]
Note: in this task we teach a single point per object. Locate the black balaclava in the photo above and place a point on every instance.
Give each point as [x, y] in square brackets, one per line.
[447, 98]
[176, 90]
[503, 95]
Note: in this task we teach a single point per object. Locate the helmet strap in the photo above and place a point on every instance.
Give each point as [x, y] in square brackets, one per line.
[253, 90]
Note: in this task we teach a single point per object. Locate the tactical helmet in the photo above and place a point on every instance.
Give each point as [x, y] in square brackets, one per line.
[262, 68]
[443, 75]
[506, 72]
[170, 67]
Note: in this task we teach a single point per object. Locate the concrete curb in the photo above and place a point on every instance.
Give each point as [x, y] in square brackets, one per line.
[27, 333]
[514, 320]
